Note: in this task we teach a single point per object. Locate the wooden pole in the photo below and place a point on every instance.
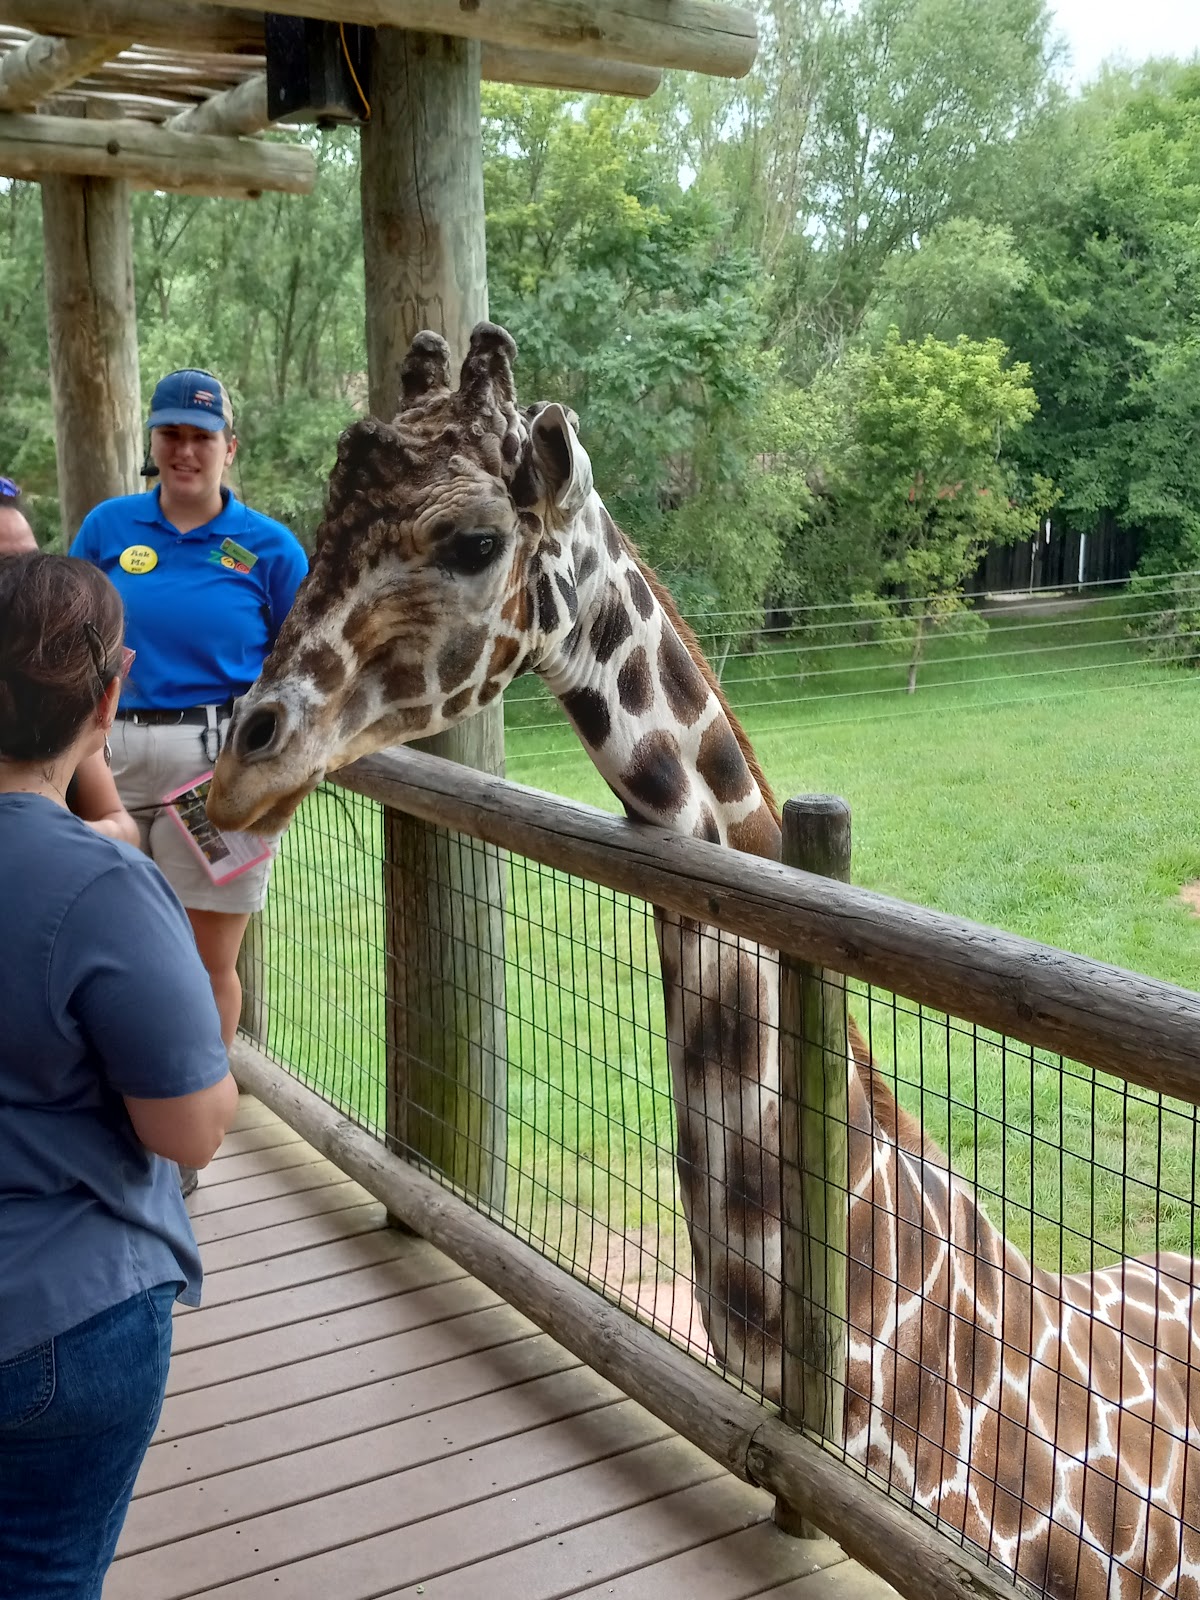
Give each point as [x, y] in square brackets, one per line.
[425, 259]
[88, 235]
[813, 1126]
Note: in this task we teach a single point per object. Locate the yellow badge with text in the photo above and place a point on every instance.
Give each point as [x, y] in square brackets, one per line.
[137, 558]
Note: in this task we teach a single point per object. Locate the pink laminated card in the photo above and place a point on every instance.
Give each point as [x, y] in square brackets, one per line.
[224, 855]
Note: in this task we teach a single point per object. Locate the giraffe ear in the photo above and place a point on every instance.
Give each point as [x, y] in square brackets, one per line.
[562, 462]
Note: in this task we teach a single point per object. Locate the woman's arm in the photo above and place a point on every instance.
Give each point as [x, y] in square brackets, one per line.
[188, 1128]
[97, 802]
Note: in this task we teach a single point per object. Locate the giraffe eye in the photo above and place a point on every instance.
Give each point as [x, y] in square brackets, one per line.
[472, 552]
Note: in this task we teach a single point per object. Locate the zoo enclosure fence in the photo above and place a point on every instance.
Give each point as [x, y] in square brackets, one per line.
[459, 978]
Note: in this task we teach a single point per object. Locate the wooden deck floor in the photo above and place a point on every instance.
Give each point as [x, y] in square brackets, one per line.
[351, 1416]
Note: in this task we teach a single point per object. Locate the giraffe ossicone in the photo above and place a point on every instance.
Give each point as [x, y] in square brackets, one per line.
[1050, 1420]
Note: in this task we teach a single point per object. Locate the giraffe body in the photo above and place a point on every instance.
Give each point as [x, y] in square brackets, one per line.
[1048, 1420]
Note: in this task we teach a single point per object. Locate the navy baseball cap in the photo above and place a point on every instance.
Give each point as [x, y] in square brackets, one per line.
[191, 398]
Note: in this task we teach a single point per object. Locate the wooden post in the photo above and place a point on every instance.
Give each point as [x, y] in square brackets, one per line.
[252, 972]
[813, 1129]
[88, 234]
[425, 259]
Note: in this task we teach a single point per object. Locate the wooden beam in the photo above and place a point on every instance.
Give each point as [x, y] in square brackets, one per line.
[183, 24]
[695, 35]
[552, 69]
[236, 111]
[1139, 1028]
[243, 109]
[87, 233]
[43, 64]
[149, 157]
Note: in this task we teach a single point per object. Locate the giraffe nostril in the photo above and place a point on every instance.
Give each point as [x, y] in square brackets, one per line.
[261, 734]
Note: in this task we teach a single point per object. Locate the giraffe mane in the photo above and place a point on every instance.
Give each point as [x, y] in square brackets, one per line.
[900, 1126]
[667, 601]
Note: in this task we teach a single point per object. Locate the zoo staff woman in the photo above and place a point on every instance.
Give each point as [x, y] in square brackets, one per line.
[206, 584]
[110, 1059]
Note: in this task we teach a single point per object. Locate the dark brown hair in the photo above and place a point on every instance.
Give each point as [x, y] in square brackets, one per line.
[61, 627]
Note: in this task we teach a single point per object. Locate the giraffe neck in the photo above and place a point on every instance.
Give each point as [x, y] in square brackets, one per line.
[630, 677]
[649, 712]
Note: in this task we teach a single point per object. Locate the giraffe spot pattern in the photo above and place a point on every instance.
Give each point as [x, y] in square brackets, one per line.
[504, 652]
[752, 1182]
[655, 775]
[489, 691]
[611, 626]
[640, 591]
[635, 687]
[758, 834]
[587, 565]
[457, 704]
[323, 664]
[707, 828]
[459, 656]
[613, 542]
[588, 710]
[547, 607]
[681, 679]
[403, 680]
[722, 764]
[567, 589]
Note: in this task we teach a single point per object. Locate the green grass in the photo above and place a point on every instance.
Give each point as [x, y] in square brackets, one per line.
[1041, 780]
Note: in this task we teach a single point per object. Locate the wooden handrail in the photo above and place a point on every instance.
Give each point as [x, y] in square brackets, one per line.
[1139, 1028]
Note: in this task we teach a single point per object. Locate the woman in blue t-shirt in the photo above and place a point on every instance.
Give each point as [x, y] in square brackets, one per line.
[111, 1069]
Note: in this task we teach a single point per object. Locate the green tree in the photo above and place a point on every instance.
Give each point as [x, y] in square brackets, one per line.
[922, 481]
[1110, 316]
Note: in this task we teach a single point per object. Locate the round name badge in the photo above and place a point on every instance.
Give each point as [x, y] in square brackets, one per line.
[138, 558]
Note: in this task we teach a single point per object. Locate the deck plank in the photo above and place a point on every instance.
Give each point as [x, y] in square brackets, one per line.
[369, 1317]
[424, 1349]
[412, 1265]
[729, 1565]
[278, 1208]
[265, 1136]
[263, 1244]
[349, 1414]
[607, 1548]
[252, 1163]
[417, 1553]
[385, 1502]
[300, 1265]
[367, 1425]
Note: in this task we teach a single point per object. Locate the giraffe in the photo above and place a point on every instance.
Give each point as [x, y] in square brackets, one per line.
[1049, 1420]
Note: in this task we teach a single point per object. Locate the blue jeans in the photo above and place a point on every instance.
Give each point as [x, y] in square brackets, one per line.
[76, 1418]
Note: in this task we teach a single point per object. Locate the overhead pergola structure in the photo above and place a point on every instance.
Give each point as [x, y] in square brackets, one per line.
[101, 96]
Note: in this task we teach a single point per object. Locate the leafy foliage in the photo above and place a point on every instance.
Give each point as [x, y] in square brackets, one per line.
[783, 308]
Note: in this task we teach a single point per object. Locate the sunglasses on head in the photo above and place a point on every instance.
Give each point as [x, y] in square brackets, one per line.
[9, 490]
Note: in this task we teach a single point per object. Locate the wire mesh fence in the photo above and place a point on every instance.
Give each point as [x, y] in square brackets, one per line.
[842, 662]
[608, 1089]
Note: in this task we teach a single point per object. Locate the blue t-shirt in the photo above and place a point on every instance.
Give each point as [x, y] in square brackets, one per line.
[202, 609]
[102, 994]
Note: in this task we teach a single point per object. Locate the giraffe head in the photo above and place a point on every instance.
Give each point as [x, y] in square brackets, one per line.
[438, 576]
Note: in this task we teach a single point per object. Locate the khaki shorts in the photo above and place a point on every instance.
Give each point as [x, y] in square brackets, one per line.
[148, 763]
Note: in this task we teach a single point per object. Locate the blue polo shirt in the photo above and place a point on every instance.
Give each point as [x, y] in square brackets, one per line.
[202, 609]
[102, 995]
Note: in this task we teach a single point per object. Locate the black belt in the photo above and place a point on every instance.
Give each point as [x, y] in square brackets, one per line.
[196, 716]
